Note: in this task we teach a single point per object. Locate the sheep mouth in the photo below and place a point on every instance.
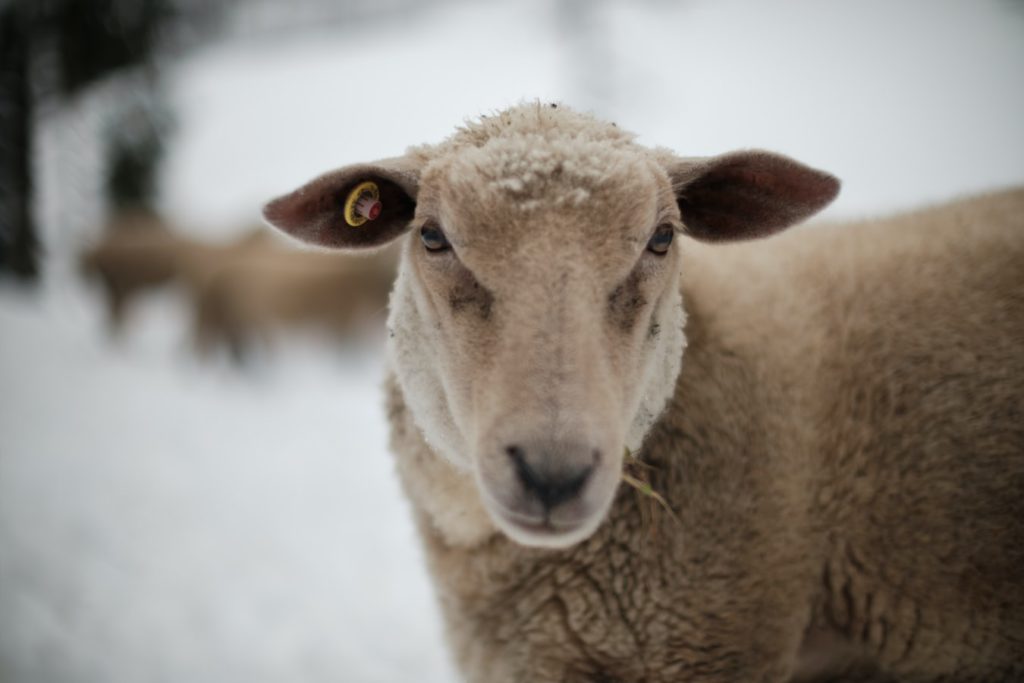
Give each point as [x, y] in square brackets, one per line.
[543, 529]
[545, 533]
[546, 525]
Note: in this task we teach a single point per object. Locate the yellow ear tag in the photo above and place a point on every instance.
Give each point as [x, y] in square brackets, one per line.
[363, 204]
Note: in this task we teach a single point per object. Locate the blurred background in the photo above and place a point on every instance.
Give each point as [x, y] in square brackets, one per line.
[194, 478]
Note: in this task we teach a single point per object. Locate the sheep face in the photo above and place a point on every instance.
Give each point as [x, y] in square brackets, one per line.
[537, 330]
[536, 326]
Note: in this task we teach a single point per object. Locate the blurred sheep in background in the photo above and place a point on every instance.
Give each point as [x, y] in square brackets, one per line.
[243, 291]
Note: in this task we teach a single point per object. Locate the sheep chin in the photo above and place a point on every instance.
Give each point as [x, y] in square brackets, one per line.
[532, 530]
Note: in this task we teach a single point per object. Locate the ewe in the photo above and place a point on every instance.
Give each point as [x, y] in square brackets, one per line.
[136, 252]
[842, 450]
[253, 292]
[240, 292]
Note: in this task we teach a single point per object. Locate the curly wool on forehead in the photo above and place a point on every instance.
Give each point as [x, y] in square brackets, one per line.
[548, 121]
[533, 154]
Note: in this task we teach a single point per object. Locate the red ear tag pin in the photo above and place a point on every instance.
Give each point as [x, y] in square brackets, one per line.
[363, 204]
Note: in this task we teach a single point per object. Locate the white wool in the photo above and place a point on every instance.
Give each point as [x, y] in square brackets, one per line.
[535, 152]
[409, 348]
[663, 366]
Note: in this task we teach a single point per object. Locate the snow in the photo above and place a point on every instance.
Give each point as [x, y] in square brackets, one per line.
[165, 519]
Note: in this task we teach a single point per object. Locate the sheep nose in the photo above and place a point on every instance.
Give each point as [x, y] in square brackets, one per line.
[553, 474]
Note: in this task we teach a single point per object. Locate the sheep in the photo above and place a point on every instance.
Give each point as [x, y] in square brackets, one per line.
[256, 291]
[137, 252]
[840, 448]
[238, 290]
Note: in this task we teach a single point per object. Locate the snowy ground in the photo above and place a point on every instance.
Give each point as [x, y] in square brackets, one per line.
[163, 519]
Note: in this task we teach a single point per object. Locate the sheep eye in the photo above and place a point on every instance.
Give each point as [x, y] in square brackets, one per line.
[661, 239]
[433, 238]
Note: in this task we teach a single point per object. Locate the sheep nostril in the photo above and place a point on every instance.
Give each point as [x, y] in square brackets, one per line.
[550, 487]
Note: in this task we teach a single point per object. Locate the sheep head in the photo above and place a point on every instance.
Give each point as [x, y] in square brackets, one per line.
[536, 324]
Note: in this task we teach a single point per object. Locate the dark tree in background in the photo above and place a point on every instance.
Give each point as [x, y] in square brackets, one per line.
[51, 50]
[18, 243]
[135, 140]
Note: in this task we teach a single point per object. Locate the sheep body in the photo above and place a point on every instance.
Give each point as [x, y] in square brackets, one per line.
[137, 252]
[842, 450]
[845, 456]
[240, 292]
[248, 294]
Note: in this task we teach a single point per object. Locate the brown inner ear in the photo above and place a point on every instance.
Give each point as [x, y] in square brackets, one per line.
[752, 197]
[316, 214]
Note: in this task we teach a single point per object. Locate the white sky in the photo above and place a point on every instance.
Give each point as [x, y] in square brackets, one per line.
[907, 102]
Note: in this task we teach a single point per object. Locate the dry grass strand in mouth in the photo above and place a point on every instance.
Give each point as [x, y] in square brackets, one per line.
[634, 473]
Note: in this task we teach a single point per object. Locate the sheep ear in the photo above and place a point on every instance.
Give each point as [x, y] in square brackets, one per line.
[316, 212]
[749, 194]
